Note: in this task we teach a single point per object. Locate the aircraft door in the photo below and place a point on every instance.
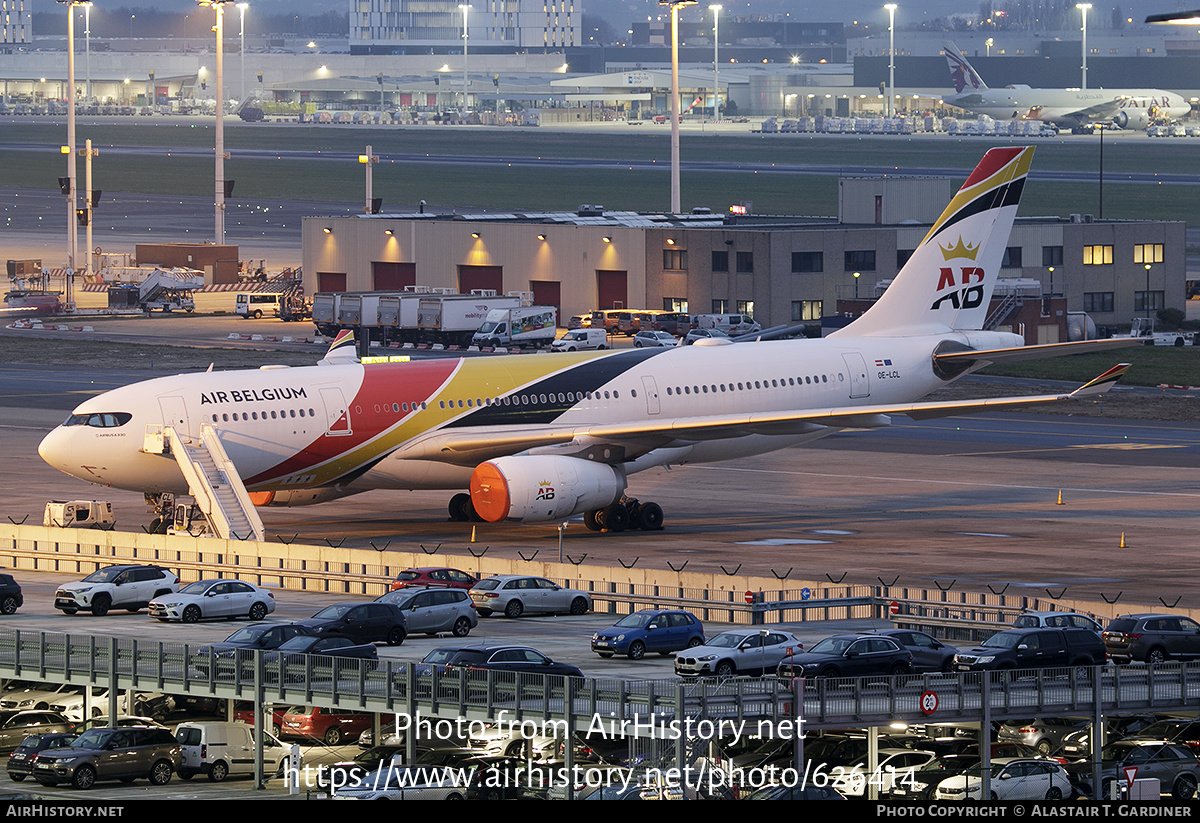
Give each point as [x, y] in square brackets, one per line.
[337, 413]
[174, 412]
[860, 384]
[652, 404]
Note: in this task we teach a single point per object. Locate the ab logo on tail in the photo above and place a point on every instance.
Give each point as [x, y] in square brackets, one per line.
[966, 288]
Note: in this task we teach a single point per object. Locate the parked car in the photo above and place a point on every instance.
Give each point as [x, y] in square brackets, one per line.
[433, 611]
[210, 599]
[1045, 734]
[111, 754]
[412, 783]
[849, 655]
[1078, 744]
[149, 704]
[434, 576]
[22, 724]
[1152, 638]
[516, 594]
[129, 587]
[500, 658]
[291, 660]
[11, 598]
[788, 792]
[237, 650]
[894, 766]
[928, 653]
[737, 652]
[328, 726]
[25, 755]
[1056, 620]
[34, 696]
[649, 630]
[1010, 779]
[361, 622]
[1176, 767]
[1033, 649]
[654, 339]
[704, 334]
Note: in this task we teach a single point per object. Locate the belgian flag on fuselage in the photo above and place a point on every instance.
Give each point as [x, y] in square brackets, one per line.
[545, 399]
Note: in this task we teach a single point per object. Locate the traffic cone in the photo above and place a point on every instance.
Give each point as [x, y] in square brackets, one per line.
[1122, 540]
[1060, 497]
[473, 535]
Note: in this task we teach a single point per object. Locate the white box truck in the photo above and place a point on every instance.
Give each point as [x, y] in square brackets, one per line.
[524, 326]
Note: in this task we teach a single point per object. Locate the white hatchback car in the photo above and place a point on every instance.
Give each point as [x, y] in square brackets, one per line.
[1012, 778]
[516, 594]
[738, 652]
[206, 599]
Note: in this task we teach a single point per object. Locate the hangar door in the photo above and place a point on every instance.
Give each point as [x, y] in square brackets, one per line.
[611, 289]
[480, 277]
[387, 276]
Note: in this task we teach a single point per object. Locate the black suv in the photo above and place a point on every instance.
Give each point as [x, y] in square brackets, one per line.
[11, 598]
[112, 754]
[1041, 648]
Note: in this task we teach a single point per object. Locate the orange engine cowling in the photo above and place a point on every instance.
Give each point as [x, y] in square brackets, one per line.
[538, 488]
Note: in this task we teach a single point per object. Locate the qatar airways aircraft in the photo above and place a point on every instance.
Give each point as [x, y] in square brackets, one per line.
[1124, 108]
[536, 438]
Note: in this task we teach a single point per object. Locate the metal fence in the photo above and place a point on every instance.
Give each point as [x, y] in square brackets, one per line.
[406, 688]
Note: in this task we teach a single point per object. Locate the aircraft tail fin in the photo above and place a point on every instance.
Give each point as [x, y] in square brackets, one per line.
[947, 283]
[342, 349]
[962, 74]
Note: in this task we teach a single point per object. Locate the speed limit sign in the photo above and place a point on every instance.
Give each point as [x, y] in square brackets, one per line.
[929, 702]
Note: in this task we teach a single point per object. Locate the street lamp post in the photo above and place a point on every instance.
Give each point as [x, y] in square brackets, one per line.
[891, 10]
[219, 196]
[242, 8]
[465, 8]
[1146, 299]
[69, 151]
[675, 6]
[87, 39]
[1083, 10]
[989, 43]
[716, 10]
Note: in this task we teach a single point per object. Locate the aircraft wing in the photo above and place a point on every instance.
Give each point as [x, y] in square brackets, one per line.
[628, 440]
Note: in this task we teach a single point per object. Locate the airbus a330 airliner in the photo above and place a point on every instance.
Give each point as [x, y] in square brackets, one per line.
[540, 438]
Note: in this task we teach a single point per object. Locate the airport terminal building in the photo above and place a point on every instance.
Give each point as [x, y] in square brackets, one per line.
[780, 269]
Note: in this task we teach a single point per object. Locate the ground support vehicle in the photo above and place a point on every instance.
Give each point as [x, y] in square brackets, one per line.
[74, 513]
[534, 326]
[581, 339]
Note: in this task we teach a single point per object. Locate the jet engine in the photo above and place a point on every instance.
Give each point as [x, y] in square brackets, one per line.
[1132, 119]
[538, 488]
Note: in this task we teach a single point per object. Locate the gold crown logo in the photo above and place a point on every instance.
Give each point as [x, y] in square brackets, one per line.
[957, 251]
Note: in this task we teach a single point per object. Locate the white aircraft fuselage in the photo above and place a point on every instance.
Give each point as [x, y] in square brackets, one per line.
[540, 437]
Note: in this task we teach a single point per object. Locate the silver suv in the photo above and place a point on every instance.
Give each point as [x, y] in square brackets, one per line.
[121, 587]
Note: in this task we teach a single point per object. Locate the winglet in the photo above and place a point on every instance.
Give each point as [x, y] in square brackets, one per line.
[1102, 383]
[342, 349]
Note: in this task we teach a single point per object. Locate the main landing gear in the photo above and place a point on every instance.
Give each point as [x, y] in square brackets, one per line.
[627, 513]
[462, 510]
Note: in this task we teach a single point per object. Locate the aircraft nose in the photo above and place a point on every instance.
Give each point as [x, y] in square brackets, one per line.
[54, 448]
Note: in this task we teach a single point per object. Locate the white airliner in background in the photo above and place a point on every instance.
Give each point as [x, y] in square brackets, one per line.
[1124, 108]
[536, 438]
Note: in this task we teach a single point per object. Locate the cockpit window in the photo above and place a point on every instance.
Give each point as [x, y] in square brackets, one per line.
[99, 420]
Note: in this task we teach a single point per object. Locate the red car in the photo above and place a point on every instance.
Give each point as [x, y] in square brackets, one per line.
[329, 726]
[434, 577]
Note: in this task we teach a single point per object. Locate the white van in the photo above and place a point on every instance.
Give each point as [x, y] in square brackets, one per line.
[581, 340]
[731, 324]
[221, 749]
[257, 305]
